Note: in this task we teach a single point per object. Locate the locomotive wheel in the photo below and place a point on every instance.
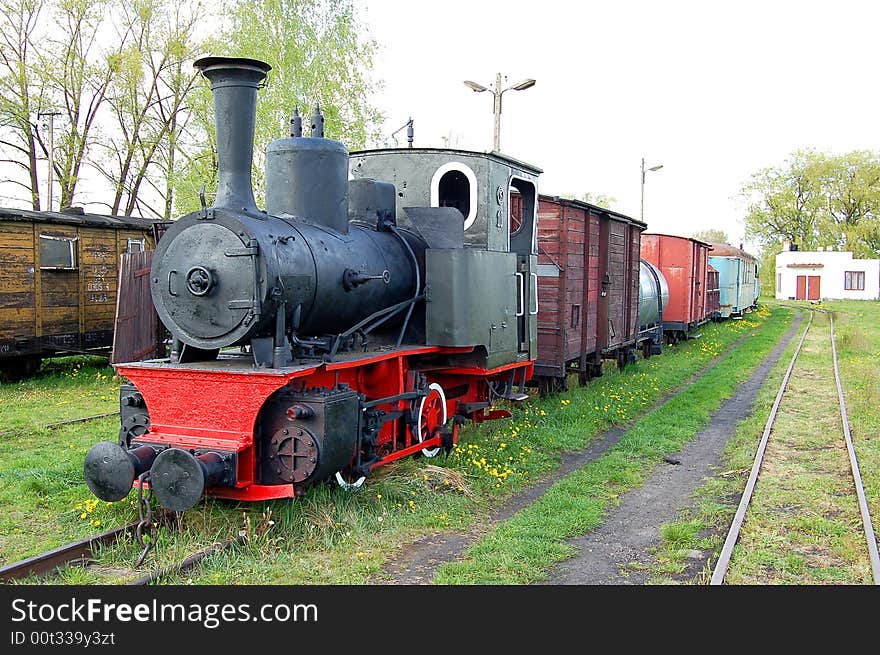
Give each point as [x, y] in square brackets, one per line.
[432, 415]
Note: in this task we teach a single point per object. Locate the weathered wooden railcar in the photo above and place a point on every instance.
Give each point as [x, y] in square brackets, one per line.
[738, 278]
[684, 263]
[58, 282]
[713, 292]
[588, 289]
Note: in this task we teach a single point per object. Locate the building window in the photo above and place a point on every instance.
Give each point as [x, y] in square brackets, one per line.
[57, 253]
[135, 245]
[854, 280]
[778, 281]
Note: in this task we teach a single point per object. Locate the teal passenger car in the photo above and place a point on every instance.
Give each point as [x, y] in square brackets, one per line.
[737, 277]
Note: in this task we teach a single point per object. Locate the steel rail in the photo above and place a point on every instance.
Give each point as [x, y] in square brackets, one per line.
[187, 564]
[79, 552]
[68, 422]
[727, 550]
[870, 536]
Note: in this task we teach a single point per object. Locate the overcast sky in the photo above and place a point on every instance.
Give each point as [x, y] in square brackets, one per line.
[713, 91]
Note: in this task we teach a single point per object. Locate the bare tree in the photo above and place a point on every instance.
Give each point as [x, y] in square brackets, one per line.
[20, 93]
[147, 101]
[78, 74]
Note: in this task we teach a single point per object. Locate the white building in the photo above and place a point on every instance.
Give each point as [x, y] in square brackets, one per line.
[831, 274]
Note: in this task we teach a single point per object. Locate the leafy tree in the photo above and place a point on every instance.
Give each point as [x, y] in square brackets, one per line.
[786, 203]
[599, 199]
[851, 183]
[712, 236]
[317, 58]
[815, 199]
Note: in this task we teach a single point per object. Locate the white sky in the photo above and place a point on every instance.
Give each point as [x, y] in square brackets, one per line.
[713, 91]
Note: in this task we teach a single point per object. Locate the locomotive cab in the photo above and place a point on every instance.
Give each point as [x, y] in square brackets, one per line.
[481, 276]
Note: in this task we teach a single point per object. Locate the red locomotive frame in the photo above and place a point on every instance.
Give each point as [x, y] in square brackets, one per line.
[201, 416]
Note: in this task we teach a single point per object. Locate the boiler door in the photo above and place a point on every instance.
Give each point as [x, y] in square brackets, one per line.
[206, 285]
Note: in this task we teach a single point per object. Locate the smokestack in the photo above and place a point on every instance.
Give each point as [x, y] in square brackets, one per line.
[234, 83]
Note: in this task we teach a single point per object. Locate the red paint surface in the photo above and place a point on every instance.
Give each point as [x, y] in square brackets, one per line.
[684, 263]
[814, 287]
[216, 408]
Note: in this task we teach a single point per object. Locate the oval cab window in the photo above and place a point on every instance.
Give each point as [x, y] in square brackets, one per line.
[455, 185]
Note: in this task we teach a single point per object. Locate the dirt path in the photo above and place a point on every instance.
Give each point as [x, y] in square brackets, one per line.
[628, 532]
[418, 562]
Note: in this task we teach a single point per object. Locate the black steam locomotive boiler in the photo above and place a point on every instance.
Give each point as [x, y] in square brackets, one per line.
[380, 300]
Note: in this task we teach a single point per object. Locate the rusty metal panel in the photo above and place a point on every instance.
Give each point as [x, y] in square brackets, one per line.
[136, 334]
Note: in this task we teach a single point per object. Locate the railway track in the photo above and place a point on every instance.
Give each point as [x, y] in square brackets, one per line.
[83, 419]
[82, 553]
[723, 563]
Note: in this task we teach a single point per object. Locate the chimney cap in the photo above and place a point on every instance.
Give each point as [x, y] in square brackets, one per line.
[205, 63]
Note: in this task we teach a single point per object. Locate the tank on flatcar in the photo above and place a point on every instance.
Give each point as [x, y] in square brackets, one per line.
[58, 283]
[684, 262]
[653, 299]
[737, 277]
[588, 268]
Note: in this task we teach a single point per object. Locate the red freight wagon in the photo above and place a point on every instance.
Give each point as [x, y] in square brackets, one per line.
[713, 292]
[684, 262]
[588, 289]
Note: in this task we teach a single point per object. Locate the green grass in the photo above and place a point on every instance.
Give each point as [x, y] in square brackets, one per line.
[803, 526]
[330, 536]
[64, 388]
[523, 548]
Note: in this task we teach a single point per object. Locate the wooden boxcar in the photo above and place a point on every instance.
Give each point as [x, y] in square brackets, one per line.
[713, 292]
[738, 278]
[684, 262]
[58, 277]
[588, 289]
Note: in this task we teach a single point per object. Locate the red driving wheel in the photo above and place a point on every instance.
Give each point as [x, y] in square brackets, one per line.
[432, 415]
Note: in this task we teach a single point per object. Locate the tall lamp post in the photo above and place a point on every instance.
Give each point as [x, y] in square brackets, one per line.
[51, 116]
[645, 170]
[497, 93]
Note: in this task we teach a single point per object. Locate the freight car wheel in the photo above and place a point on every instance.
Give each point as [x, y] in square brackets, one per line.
[21, 368]
[432, 415]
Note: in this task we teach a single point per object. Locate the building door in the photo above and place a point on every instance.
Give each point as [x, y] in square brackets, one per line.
[814, 287]
[801, 293]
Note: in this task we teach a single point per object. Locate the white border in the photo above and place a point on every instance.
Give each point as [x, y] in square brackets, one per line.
[472, 181]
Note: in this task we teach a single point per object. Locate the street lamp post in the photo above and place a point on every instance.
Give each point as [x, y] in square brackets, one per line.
[644, 170]
[51, 115]
[497, 93]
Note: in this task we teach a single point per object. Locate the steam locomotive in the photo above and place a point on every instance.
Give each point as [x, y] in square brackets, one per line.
[382, 299]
